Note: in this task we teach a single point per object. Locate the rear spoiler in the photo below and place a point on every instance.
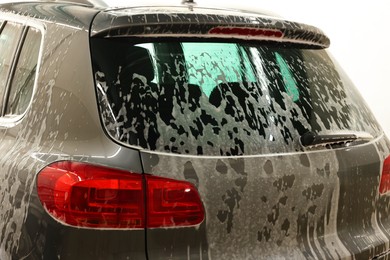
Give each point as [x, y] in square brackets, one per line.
[160, 23]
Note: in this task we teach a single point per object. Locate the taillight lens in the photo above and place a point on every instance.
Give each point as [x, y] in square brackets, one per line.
[384, 186]
[92, 196]
[172, 203]
[85, 195]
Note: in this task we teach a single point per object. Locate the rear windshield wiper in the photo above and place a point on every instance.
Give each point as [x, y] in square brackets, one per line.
[311, 139]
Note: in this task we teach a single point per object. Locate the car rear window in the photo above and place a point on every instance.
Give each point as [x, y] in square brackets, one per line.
[222, 98]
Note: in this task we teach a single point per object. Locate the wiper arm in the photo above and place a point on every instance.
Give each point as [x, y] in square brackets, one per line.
[310, 139]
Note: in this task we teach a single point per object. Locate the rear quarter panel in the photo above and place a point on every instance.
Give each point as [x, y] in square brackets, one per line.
[62, 123]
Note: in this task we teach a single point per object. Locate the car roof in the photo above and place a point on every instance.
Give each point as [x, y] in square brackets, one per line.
[118, 4]
[114, 4]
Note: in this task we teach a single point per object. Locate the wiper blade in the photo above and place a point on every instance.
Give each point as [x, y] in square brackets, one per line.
[310, 139]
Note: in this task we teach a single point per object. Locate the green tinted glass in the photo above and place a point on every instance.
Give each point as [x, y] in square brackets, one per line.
[288, 78]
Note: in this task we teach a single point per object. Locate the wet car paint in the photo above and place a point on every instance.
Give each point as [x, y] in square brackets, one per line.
[308, 204]
[69, 131]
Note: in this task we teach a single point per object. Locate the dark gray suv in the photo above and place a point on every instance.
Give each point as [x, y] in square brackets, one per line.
[182, 132]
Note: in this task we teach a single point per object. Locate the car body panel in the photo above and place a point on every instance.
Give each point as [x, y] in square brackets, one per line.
[310, 205]
[61, 14]
[70, 131]
[304, 204]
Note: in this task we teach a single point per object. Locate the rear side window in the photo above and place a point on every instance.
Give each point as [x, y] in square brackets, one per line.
[19, 48]
[24, 76]
[9, 39]
[222, 98]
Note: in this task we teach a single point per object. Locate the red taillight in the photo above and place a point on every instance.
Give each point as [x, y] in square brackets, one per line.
[92, 196]
[384, 186]
[249, 32]
[172, 203]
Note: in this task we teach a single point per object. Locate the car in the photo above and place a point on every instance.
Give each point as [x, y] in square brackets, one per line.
[182, 131]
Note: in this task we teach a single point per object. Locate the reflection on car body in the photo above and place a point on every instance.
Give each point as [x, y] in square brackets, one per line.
[182, 132]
